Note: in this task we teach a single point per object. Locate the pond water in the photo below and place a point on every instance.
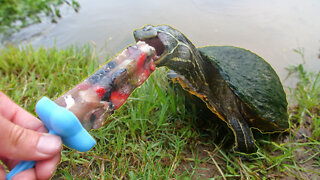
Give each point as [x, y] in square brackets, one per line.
[270, 28]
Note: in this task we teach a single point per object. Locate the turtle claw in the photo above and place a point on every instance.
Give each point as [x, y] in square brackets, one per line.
[242, 150]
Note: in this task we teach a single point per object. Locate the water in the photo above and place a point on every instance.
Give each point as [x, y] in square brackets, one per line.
[270, 28]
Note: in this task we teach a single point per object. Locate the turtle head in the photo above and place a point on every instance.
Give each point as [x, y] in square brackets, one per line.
[176, 52]
[164, 39]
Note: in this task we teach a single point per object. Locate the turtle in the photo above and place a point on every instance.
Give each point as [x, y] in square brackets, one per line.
[237, 85]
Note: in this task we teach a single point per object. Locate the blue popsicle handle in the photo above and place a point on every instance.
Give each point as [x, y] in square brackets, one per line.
[61, 122]
[23, 165]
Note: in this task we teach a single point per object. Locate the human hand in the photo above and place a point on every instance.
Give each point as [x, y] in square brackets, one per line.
[24, 137]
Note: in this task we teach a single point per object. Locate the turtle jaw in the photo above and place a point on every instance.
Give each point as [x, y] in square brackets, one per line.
[152, 36]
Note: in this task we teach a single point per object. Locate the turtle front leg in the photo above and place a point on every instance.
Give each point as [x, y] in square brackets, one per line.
[244, 141]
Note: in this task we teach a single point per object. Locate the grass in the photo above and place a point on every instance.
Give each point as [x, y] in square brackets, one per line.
[155, 135]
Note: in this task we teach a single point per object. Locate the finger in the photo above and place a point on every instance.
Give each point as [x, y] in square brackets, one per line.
[2, 172]
[25, 144]
[16, 114]
[25, 175]
[3, 160]
[11, 163]
[45, 169]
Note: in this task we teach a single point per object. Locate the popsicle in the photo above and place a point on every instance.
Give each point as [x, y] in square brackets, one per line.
[96, 98]
[87, 105]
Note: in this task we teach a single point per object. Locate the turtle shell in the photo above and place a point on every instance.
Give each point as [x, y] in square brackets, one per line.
[255, 82]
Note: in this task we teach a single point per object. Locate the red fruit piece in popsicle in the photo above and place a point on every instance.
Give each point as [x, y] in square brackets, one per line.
[140, 61]
[118, 98]
[152, 66]
[100, 91]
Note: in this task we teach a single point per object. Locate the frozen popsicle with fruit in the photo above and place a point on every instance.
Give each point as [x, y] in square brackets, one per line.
[96, 97]
[87, 105]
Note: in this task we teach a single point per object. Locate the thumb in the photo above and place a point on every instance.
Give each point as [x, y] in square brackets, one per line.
[25, 144]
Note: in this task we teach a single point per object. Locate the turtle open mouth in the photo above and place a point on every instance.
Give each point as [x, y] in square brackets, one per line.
[157, 44]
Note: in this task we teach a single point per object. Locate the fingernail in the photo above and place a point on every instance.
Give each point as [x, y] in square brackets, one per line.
[49, 144]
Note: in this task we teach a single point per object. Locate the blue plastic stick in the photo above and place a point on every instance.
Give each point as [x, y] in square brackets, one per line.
[63, 123]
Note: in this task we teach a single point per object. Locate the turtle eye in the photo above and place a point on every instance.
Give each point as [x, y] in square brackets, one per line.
[147, 28]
